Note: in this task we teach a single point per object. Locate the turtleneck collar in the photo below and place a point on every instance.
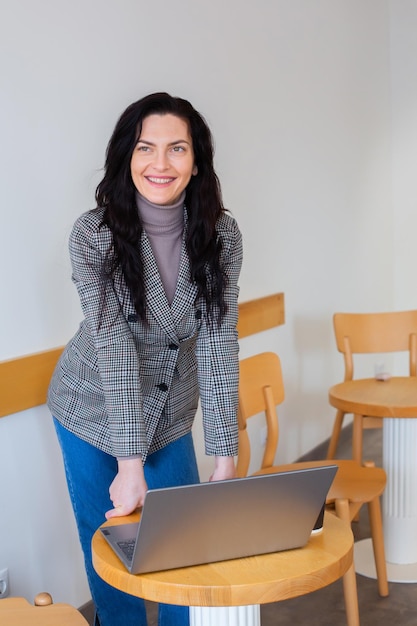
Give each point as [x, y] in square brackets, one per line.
[160, 219]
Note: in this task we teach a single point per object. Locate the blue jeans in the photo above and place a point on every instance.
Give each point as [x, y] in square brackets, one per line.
[89, 473]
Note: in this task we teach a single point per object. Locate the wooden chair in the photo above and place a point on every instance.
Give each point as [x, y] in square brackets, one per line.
[261, 389]
[370, 333]
[18, 612]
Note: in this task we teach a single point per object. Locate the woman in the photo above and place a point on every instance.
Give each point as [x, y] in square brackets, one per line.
[156, 266]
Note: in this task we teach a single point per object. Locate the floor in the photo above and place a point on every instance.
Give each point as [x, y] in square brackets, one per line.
[326, 607]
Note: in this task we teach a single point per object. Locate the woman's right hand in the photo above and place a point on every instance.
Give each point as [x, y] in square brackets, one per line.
[128, 489]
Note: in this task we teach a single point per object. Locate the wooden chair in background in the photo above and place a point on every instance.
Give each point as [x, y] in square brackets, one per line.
[18, 612]
[261, 389]
[370, 333]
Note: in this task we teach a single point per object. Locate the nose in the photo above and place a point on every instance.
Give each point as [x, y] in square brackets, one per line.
[161, 160]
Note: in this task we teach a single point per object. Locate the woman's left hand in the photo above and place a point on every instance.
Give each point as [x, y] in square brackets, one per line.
[224, 468]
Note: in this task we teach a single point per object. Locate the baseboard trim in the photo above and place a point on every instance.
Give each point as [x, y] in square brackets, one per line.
[88, 611]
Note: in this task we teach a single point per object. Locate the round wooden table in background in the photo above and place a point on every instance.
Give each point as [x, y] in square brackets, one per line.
[395, 400]
[244, 583]
[395, 397]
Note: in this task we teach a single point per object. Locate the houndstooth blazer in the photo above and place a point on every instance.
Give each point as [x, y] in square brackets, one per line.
[128, 388]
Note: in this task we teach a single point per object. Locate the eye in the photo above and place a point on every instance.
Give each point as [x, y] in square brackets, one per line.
[178, 149]
[143, 148]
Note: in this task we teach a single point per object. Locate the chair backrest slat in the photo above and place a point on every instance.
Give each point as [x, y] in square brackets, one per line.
[261, 389]
[371, 333]
[375, 332]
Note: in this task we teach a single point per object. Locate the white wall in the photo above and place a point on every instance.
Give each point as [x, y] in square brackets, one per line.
[404, 149]
[298, 95]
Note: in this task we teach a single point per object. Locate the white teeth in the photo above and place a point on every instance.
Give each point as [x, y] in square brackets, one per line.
[159, 181]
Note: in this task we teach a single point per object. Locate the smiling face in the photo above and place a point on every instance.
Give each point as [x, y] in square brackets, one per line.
[163, 159]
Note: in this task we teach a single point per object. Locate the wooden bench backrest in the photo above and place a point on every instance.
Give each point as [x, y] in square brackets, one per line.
[24, 381]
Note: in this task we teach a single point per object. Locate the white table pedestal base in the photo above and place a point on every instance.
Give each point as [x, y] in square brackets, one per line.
[400, 497]
[399, 510]
[365, 565]
[225, 615]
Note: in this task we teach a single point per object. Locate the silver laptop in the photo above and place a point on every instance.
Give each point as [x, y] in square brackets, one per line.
[216, 521]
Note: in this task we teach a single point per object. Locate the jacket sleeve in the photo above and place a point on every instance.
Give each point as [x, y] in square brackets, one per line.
[217, 355]
[117, 358]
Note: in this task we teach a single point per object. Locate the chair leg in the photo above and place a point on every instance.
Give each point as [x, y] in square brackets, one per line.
[343, 509]
[357, 445]
[334, 439]
[349, 579]
[357, 438]
[351, 597]
[375, 520]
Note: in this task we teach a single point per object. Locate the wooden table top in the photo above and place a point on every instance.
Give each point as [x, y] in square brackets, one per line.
[239, 582]
[18, 612]
[396, 397]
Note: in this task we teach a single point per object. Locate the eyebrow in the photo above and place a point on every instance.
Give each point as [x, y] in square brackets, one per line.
[171, 143]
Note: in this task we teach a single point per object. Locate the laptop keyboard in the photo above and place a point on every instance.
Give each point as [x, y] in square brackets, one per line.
[127, 547]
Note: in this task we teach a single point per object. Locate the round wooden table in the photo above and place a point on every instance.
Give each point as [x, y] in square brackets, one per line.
[395, 400]
[213, 590]
[395, 397]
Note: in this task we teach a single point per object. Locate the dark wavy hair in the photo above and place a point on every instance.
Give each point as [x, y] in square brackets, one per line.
[203, 201]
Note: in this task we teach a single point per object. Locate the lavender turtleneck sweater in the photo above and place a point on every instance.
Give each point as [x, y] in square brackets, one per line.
[164, 226]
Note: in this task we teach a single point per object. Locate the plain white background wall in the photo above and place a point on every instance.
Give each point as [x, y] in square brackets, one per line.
[313, 110]
[404, 149]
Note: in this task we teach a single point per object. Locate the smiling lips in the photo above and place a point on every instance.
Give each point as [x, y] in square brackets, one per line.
[159, 181]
